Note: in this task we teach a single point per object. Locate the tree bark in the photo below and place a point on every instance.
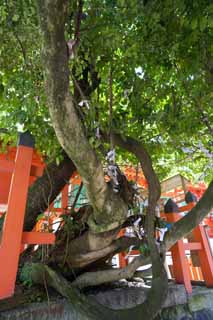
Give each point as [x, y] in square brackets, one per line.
[99, 277]
[82, 258]
[68, 126]
[158, 292]
[83, 307]
[110, 211]
[46, 188]
[178, 231]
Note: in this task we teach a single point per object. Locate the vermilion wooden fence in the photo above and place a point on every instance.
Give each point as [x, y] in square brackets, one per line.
[182, 268]
[13, 237]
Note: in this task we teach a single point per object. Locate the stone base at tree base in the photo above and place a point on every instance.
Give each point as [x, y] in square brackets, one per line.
[178, 306]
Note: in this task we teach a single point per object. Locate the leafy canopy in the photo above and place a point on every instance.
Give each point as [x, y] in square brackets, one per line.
[160, 54]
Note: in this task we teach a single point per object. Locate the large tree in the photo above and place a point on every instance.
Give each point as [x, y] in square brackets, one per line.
[141, 73]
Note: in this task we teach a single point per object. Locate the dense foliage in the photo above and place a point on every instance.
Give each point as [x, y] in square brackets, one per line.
[160, 56]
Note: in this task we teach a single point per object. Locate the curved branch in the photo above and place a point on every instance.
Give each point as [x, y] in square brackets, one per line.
[158, 292]
[119, 245]
[99, 277]
[193, 218]
[140, 152]
[83, 306]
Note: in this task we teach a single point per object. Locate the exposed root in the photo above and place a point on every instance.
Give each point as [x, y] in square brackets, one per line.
[101, 277]
[80, 260]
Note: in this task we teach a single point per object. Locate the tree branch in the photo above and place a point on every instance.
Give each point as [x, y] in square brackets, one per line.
[99, 277]
[23, 50]
[158, 292]
[78, 20]
[119, 245]
[82, 306]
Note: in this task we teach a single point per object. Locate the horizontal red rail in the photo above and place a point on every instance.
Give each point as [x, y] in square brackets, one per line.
[192, 246]
[38, 238]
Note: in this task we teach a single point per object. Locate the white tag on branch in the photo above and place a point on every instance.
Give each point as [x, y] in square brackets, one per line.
[137, 222]
[111, 156]
[112, 173]
[71, 45]
[83, 103]
[187, 150]
[112, 170]
[97, 133]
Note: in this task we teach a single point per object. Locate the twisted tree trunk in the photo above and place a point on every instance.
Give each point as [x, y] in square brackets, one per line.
[109, 209]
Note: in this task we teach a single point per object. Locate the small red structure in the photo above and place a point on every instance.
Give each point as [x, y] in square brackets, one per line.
[16, 175]
[181, 267]
[176, 188]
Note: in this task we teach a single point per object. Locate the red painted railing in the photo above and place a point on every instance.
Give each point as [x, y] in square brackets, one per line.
[182, 269]
[13, 238]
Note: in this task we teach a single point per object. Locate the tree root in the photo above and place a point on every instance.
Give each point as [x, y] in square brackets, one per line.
[82, 307]
[101, 277]
[86, 308]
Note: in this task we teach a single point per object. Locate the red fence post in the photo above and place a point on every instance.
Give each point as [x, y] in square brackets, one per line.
[13, 224]
[205, 256]
[64, 198]
[123, 262]
[180, 264]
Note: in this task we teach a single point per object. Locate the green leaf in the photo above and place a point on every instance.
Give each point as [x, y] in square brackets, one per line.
[194, 23]
[15, 17]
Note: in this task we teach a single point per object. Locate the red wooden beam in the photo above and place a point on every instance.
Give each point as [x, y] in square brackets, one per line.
[38, 238]
[187, 207]
[192, 246]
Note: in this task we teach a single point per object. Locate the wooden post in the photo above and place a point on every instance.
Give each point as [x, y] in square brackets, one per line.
[64, 198]
[13, 225]
[180, 264]
[122, 261]
[205, 256]
[121, 256]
